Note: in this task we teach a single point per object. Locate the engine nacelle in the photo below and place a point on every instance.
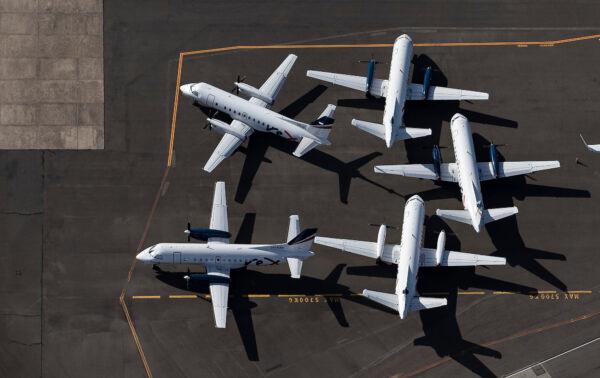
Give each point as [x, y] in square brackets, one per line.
[437, 161]
[223, 128]
[439, 250]
[427, 82]
[254, 92]
[494, 160]
[381, 240]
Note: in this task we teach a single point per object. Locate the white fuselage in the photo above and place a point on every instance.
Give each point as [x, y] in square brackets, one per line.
[468, 174]
[254, 115]
[410, 246]
[220, 254]
[397, 89]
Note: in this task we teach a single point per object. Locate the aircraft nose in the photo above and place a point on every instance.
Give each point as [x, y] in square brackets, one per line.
[186, 90]
[144, 256]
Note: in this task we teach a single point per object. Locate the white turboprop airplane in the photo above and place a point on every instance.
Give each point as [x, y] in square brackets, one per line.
[255, 114]
[409, 255]
[468, 173]
[396, 91]
[219, 257]
[591, 147]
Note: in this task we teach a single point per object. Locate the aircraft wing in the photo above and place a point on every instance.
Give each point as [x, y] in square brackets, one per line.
[415, 92]
[514, 168]
[274, 83]
[227, 146]
[363, 248]
[452, 258]
[448, 172]
[219, 292]
[218, 216]
[591, 147]
[378, 86]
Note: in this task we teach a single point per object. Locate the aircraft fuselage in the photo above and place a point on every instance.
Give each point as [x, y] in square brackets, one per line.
[410, 246]
[468, 174]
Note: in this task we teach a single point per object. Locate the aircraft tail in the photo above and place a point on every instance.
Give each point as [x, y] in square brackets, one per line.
[294, 263]
[423, 303]
[320, 129]
[299, 246]
[488, 215]
[385, 299]
[401, 133]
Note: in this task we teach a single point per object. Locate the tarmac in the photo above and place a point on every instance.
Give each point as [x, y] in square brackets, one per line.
[76, 304]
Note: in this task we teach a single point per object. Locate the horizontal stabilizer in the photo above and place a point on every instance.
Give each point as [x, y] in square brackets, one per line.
[359, 83]
[385, 299]
[305, 145]
[415, 92]
[455, 215]
[423, 303]
[404, 133]
[490, 215]
[448, 172]
[295, 266]
[363, 248]
[372, 128]
[513, 168]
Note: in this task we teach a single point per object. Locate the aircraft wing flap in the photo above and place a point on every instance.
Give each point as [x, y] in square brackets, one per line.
[218, 216]
[219, 293]
[226, 147]
[448, 172]
[514, 168]
[415, 92]
[453, 258]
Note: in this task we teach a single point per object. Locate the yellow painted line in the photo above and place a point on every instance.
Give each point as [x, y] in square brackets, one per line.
[547, 292]
[503, 292]
[258, 295]
[580, 292]
[146, 297]
[183, 296]
[290, 295]
[184, 54]
[471, 293]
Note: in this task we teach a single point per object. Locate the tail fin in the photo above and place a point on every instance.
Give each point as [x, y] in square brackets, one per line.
[321, 127]
[305, 238]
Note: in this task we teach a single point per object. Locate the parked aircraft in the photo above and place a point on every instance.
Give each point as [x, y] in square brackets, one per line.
[409, 255]
[219, 257]
[396, 91]
[468, 173]
[255, 115]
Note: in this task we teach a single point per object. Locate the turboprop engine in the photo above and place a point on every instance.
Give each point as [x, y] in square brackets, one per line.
[253, 92]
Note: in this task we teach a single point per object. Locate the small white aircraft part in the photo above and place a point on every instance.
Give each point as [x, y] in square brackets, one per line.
[409, 255]
[591, 147]
[396, 89]
[468, 173]
[255, 115]
[219, 257]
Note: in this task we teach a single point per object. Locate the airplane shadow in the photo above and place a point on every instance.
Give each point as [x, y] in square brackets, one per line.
[260, 142]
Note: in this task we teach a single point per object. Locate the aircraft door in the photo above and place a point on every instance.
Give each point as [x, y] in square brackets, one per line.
[210, 101]
[176, 257]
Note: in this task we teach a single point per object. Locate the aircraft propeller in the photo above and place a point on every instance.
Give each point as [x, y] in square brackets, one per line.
[236, 89]
[188, 231]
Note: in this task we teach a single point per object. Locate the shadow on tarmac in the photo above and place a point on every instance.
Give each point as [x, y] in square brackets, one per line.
[260, 142]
